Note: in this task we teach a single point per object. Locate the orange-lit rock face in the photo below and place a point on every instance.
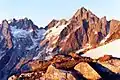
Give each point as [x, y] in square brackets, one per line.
[59, 61]
[52, 69]
[114, 26]
[74, 55]
[105, 58]
[114, 35]
[82, 29]
[39, 65]
[55, 74]
[52, 23]
[6, 33]
[87, 71]
[69, 68]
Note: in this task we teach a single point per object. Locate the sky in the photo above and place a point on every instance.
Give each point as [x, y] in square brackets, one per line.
[43, 11]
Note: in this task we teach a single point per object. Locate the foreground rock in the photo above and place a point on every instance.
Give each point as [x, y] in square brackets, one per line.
[113, 65]
[55, 74]
[59, 67]
[72, 67]
[27, 76]
[39, 65]
[87, 71]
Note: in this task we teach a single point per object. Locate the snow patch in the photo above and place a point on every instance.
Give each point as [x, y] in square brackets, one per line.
[31, 30]
[105, 39]
[18, 33]
[81, 50]
[95, 32]
[48, 57]
[111, 48]
[35, 41]
[86, 47]
[55, 31]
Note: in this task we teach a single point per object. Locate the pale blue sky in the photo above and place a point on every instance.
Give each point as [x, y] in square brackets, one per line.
[43, 11]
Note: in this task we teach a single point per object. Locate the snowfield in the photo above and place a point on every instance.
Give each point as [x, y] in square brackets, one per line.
[112, 48]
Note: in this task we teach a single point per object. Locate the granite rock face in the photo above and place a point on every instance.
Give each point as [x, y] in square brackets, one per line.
[87, 71]
[19, 43]
[51, 24]
[83, 30]
[6, 33]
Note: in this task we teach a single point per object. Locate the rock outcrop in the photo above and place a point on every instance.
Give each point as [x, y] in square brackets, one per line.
[51, 24]
[6, 33]
[62, 67]
[55, 74]
[87, 71]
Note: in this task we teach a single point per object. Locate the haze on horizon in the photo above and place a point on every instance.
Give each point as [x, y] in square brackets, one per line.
[43, 11]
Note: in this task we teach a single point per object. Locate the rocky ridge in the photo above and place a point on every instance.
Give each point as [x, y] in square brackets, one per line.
[83, 31]
[19, 43]
[72, 67]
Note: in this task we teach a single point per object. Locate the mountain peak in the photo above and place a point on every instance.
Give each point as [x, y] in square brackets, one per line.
[81, 10]
[51, 24]
[84, 13]
[84, 28]
[25, 24]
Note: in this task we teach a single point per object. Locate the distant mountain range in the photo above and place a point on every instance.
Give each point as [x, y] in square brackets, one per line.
[83, 38]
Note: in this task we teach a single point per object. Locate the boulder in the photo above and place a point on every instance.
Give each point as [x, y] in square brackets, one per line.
[55, 74]
[87, 71]
[113, 65]
[105, 58]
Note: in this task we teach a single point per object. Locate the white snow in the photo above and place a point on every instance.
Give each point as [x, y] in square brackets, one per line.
[67, 37]
[38, 56]
[112, 48]
[35, 41]
[44, 52]
[95, 32]
[55, 31]
[31, 30]
[48, 57]
[105, 39]
[19, 32]
[24, 33]
[81, 50]
[87, 46]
